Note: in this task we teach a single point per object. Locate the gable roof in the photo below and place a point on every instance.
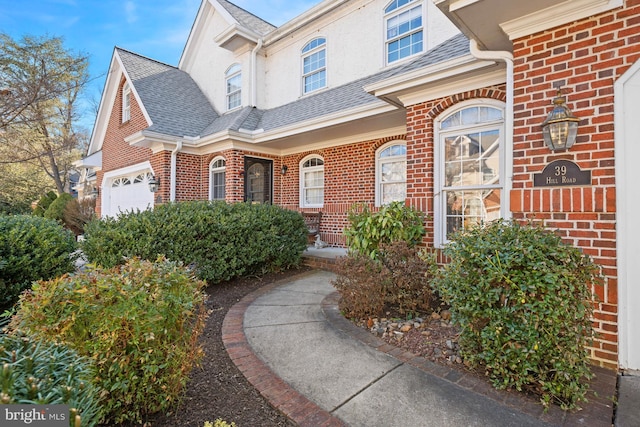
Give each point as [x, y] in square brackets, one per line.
[172, 99]
[247, 19]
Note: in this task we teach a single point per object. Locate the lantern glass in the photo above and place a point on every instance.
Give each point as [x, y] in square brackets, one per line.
[560, 128]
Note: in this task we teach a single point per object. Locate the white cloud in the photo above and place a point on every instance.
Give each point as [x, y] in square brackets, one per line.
[130, 12]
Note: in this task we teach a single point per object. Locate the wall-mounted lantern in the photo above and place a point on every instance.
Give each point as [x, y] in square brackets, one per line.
[94, 193]
[561, 126]
[284, 169]
[154, 184]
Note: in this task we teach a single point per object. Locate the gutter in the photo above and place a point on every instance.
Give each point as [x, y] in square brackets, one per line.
[174, 156]
[254, 73]
[507, 58]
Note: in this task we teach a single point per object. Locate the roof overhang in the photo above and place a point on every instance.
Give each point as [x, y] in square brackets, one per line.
[92, 161]
[236, 37]
[443, 79]
[495, 23]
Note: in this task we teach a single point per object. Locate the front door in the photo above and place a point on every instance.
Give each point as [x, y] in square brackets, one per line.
[258, 180]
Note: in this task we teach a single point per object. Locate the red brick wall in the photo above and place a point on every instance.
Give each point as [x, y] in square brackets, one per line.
[586, 57]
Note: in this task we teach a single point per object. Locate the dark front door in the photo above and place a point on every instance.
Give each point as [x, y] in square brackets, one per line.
[258, 180]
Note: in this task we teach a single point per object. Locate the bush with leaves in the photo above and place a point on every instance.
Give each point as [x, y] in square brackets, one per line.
[398, 281]
[57, 207]
[78, 213]
[32, 248]
[221, 241]
[368, 230]
[45, 373]
[44, 202]
[139, 323]
[523, 301]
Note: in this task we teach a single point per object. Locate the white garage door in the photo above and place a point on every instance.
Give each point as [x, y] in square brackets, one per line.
[130, 192]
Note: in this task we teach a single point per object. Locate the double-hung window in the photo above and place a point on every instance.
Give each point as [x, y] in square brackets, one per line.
[469, 182]
[391, 173]
[314, 65]
[404, 30]
[234, 86]
[126, 103]
[312, 182]
[216, 179]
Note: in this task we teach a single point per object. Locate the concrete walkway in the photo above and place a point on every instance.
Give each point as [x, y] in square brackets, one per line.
[293, 345]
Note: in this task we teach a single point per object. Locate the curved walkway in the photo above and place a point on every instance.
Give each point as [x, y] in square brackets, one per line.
[292, 344]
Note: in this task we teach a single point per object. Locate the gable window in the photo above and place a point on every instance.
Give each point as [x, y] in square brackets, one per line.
[314, 65]
[312, 182]
[126, 103]
[234, 86]
[217, 170]
[391, 173]
[404, 31]
[469, 161]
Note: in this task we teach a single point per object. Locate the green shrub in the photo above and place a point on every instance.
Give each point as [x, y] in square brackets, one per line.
[36, 372]
[56, 208]
[398, 281]
[139, 323]
[44, 203]
[522, 299]
[367, 230]
[32, 248]
[220, 241]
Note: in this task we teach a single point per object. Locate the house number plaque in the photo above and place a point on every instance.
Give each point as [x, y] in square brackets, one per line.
[560, 173]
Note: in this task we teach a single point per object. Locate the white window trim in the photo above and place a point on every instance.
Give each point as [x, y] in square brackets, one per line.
[213, 170]
[301, 178]
[229, 74]
[309, 53]
[126, 102]
[439, 205]
[378, 195]
[387, 16]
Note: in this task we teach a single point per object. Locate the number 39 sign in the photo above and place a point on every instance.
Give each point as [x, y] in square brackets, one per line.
[560, 173]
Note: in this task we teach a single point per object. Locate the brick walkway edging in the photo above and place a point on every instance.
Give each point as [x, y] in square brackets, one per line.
[598, 411]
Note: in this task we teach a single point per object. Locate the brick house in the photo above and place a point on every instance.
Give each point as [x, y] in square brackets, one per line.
[438, 103]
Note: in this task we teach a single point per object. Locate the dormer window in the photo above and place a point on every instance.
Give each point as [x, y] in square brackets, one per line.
[314, 65]
[404, 32]
[234, 86]
[126, 103]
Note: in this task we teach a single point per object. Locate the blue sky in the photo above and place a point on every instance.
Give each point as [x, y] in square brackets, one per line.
[157, 29]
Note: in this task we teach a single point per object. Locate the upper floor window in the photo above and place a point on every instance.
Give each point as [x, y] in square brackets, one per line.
[314, 65]
[312, 182]
[469, 181]
[391, 173]
[404, 31]
[126, 103]
[234, 86]
[217, 170]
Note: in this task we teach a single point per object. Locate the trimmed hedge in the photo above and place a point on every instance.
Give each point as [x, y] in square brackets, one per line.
[32, 248]
[138, 323]
[523, 301]
[219, 240]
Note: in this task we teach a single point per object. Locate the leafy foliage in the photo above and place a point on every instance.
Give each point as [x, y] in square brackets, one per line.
[221, 241]
[139, 323]
[37, 372]
[57, 207]
[399, 280]
[522, 299]
[78, 213]
[367, 230]
[44, 202]
[32, 248]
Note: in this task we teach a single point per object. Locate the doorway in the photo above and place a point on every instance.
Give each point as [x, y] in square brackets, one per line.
[258, 180]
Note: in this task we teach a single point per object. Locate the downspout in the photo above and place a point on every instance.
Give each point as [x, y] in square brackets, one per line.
[174, 156]
[507, 57]
[254, 73]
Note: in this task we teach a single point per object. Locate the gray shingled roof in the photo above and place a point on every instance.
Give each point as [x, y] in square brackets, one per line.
[174, 102]
[178, 107]
[247, 19]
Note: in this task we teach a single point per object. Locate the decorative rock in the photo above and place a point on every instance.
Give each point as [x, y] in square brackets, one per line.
[435, 316]
[449, 344]
[445, 314]
[405, 328]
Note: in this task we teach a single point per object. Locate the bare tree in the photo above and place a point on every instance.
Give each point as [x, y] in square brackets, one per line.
[40, 82]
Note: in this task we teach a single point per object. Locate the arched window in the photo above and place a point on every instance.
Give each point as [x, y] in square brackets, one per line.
[126, 103]
[234, 86]
[470, 167]
[312, 182]
[314, 65]
[404, 30]
[217, 169]
[391, 172]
